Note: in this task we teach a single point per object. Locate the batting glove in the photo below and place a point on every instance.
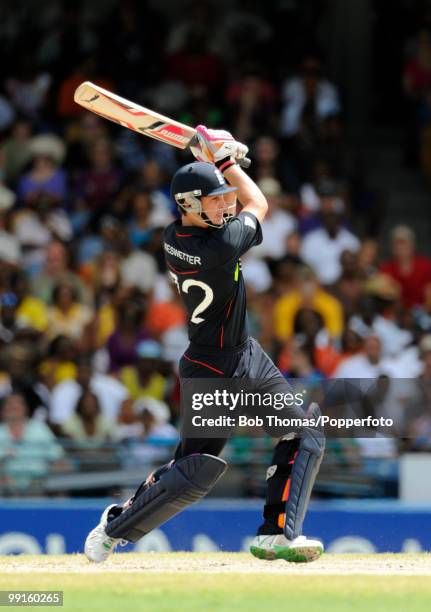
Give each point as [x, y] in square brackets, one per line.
[217, 147]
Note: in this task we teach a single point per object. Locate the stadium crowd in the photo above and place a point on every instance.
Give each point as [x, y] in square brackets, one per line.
[91, 329]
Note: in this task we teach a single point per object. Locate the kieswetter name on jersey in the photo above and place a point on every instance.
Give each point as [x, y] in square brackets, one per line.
[192, 259]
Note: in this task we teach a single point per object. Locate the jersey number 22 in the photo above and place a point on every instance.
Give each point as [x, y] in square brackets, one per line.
[207, 299]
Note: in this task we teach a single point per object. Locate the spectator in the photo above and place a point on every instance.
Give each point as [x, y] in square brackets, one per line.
[368, 364]
[277, 225]
[144, 379]
[165, 315]
[195, 64]
[411, 271]
[376, 314]
[418, 406]
[45, 179]
[87, 70]
[153, 178]
[16, 150]
[252, 103]
[349, 288]
[29, 89]
[308, 97]
[129, 331]
[99, 183]
[20, 376]
[307, 294]
[31, 312]
[28, 448]
[59, 363]
[56, 270]
[110, 393]
[66, 315]
[41, 220]
[10, 248]
[269, 162]
[302, 363]
[322, 248]
[87, 426]
[153, 434]
[9, 327]
[141, 223]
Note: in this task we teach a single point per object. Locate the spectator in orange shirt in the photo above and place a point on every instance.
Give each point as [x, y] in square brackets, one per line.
[88, 70]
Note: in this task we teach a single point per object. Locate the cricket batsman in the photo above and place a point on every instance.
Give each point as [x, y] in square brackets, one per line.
[202, 251]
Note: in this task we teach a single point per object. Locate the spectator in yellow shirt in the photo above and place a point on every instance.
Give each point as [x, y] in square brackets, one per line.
[307, 294]
[144, 380]
[31, 311]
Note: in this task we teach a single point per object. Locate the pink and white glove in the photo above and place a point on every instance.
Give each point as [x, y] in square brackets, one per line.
[215, 146]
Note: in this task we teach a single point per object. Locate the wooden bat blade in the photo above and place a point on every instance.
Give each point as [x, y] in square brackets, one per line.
[133, 116]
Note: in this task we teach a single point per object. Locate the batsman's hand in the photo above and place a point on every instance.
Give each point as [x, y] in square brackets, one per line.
[214, 146]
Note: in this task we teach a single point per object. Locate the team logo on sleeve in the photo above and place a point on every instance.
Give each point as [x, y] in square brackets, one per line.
[220, 176]
[249, 221]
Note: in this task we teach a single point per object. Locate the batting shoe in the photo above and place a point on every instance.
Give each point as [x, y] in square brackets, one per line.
[98, 545]
[299, 550]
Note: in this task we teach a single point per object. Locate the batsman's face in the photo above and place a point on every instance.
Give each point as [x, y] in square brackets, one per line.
[215, 207]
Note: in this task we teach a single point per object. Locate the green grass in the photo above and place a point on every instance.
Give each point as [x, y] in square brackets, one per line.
[239, 592]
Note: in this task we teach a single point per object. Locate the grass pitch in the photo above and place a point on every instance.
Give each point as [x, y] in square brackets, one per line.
[197, 582]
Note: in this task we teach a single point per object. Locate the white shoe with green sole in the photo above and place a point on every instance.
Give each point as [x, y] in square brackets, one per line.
[299, 550]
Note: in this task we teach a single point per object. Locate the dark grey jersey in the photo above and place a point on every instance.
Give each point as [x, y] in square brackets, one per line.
[204, 264]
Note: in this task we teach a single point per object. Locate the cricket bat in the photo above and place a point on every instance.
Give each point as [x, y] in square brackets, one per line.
[137, 118]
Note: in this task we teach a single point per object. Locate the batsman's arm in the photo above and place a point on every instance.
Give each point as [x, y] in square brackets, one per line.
[249, 195]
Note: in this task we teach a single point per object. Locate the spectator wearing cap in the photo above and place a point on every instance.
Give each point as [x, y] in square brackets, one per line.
[45, 180]
[411, 271]
[28, 448]
[10, 248]
[144, 379]
[307, 294]
[322, 247]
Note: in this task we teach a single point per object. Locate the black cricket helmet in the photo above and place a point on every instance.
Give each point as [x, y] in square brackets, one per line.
[195, 180]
